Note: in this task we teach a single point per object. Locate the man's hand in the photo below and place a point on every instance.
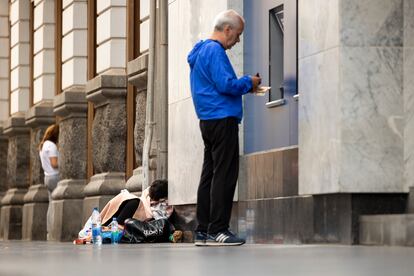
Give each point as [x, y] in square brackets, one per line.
[256, 80]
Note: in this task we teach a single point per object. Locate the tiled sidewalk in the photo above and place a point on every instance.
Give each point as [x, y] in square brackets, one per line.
[48, 258]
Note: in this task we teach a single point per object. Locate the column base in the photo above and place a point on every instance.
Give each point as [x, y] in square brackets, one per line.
[11, 224]
[11, 214]
[34, 213]
[91, 202]
[100, 190]
[109, 183]
[134, 183]
[14, 196]
[67, 206]
[34, 221]
[67, 219]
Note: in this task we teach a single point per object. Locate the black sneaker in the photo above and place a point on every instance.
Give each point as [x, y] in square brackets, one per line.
[200, 238]
[226, 238]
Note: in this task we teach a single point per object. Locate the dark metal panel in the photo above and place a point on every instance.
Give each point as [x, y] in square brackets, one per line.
[268, 128]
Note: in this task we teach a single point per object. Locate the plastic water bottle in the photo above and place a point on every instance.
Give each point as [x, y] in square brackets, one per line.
[114, 231]
[96, 227]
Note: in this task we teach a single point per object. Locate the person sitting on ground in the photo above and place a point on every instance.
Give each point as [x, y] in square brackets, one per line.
[152, 204]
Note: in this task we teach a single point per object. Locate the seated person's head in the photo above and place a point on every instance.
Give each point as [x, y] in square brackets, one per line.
[158, 190]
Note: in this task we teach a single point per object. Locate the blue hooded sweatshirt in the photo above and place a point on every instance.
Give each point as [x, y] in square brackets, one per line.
[216, 91]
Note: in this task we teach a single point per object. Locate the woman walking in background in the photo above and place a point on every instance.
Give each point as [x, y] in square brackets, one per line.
[49, 155]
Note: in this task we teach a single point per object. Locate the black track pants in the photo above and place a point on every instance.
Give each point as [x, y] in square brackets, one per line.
[219, 174]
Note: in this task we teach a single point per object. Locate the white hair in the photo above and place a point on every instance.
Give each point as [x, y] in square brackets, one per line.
[230, 18]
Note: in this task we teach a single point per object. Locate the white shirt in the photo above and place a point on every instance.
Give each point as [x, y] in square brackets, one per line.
[49, 149]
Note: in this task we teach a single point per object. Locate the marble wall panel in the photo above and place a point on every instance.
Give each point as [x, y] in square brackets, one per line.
[408, 93]
[185, 153]
[318, 26]
[408, 117]
[371, 108]
[192, 27]
[193, 20]
[319, 127]
[371, 22]
[409, 23]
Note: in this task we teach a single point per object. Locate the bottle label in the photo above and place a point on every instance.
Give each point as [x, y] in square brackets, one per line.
[96, 231]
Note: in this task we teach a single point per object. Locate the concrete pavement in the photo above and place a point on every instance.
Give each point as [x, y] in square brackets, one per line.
[18, 258]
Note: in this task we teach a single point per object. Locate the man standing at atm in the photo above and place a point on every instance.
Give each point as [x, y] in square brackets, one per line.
[217, 96]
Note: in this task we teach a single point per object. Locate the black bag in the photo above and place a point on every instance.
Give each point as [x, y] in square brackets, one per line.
[137, 231]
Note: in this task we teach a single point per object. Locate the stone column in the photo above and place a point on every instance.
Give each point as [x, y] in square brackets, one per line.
[4, 94]
[67, 202]
[18, 156]
[108, 94]
[3, 171]
[36, 200]
[408, 86]
[137, 76]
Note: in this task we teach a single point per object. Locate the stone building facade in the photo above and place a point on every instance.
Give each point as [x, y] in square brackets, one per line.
[332, 145]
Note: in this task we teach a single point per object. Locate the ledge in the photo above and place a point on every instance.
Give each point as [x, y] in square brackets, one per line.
[16, 125]
[137, 66]
[137, 72]
[104, 88]
[71, 103]
[40, 114]
[276, 103]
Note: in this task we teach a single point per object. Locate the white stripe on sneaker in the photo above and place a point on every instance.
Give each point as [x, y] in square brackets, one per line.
[222, 238]
[219, 237]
